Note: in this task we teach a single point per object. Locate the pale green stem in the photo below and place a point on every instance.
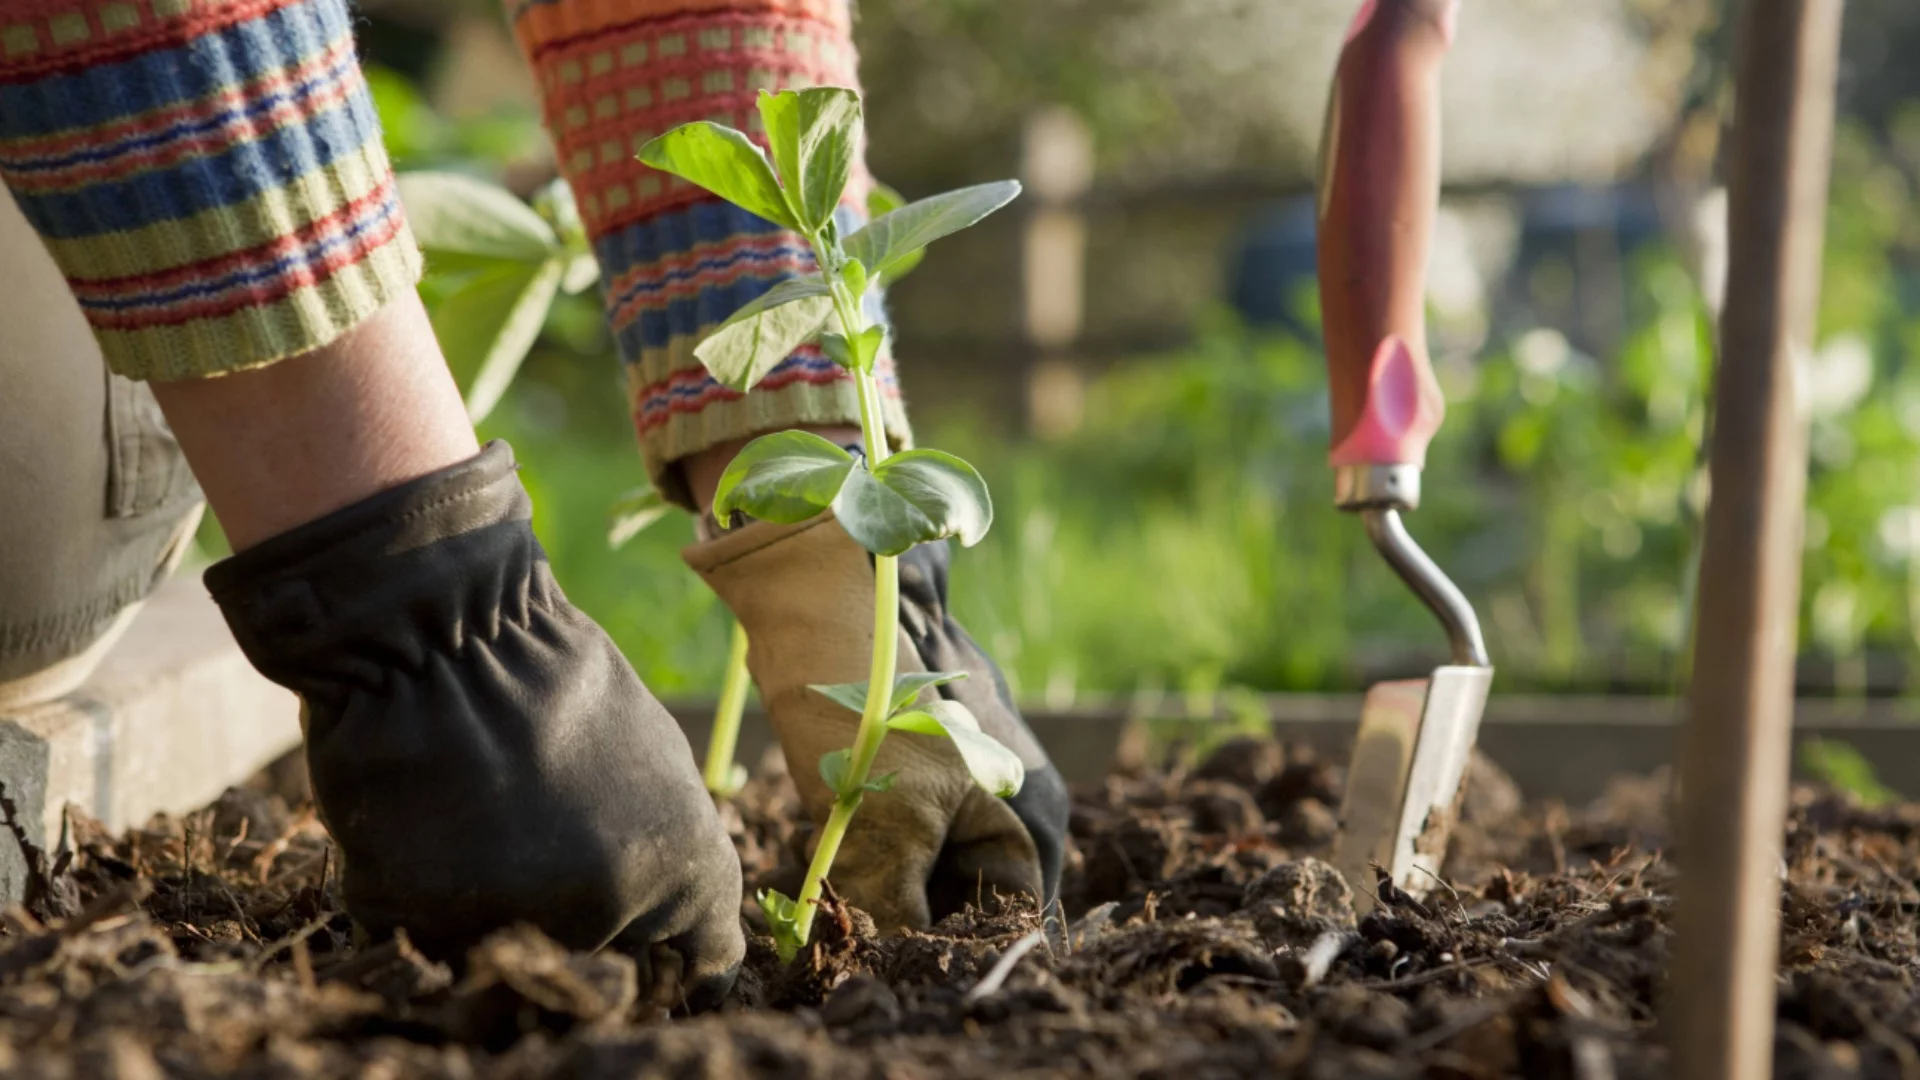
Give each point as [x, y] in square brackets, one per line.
[726, 718]
[886, 642]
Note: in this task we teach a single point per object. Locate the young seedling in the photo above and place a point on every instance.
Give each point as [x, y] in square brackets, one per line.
[886, 501]
[506, 261]
[632, 514]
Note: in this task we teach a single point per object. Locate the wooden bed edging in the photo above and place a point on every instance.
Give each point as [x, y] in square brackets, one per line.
[1561, 747]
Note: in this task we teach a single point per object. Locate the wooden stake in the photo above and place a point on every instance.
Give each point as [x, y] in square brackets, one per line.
[1734, 752]
[1057, 169]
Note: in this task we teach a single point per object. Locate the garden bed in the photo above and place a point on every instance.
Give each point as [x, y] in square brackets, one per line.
[1204, 938]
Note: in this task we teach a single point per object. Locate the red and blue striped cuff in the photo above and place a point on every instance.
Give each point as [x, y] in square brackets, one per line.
[675, 262]
[209, 177]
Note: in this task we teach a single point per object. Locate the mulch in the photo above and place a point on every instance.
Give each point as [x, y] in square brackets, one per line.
[1202, 936]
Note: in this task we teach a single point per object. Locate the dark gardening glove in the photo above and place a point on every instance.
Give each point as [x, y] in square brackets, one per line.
[480, 751]
[936, 841]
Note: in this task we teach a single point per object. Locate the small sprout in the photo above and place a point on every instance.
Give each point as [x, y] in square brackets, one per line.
[783, 918]
[836, 768]
[887, 502]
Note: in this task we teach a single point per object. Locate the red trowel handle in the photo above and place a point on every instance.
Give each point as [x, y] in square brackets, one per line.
[1379, 189]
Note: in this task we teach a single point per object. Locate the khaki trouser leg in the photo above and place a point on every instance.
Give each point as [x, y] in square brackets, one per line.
[96, 502]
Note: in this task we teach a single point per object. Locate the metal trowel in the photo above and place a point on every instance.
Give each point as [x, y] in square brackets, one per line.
[1378, 193]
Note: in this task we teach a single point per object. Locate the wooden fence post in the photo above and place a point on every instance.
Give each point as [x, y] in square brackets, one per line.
[1057, 170]
[1734, 751]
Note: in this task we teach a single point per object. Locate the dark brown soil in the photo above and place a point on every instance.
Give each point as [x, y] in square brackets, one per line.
[1203, 939]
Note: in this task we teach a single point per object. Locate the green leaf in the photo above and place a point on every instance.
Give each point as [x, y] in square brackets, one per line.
[918, 721]
[632, 513]
[458, 214]
[488, 324]
[833, 769]
[854, 273]
[908, 686]
[814, 133]
[866, 347]
[783, 919]
[989, 762]
[858, 356]
[836, 349]
[740, 353]
[902, 266]
[722, 161]
[835, 765]
[891, 238]
[913, 497]
[848, 695]
[581, 272]
[556, 206]
[882, 199]
[785, 477]
[949, 491]
[788, 291]
[877, 517]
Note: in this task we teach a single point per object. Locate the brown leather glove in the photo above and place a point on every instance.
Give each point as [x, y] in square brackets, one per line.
[936, 841]
[479, 749]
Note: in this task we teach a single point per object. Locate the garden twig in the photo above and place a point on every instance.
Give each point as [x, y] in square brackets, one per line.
[1322, 953]
[997, 976]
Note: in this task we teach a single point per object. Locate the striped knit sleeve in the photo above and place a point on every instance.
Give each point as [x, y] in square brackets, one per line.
[675, 261]
[207, 173]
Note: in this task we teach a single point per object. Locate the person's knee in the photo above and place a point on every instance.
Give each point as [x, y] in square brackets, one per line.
[95, 501]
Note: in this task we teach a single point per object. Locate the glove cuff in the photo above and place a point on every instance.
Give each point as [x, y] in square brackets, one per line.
[417, 568]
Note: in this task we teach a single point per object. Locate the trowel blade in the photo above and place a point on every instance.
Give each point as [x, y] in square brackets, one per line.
[1403, 781]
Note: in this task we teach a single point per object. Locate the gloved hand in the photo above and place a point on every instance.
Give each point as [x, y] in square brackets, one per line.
[479, 749]
[936, 841]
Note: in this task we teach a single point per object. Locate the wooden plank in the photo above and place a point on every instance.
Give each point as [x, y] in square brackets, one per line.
[1735, 745]
[1554, 747]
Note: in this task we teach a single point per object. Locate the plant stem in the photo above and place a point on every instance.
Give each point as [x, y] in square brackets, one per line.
[886, 637]
[726, 719]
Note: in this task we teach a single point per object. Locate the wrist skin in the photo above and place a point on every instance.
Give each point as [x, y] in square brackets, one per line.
[279, 446]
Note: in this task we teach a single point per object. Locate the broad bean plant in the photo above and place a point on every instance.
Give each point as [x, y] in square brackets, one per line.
[886, 501]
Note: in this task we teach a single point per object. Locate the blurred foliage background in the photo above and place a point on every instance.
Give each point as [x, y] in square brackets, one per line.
[1176, 536]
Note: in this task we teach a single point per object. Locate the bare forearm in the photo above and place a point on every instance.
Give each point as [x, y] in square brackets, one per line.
[211, 181]
[279, 446]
